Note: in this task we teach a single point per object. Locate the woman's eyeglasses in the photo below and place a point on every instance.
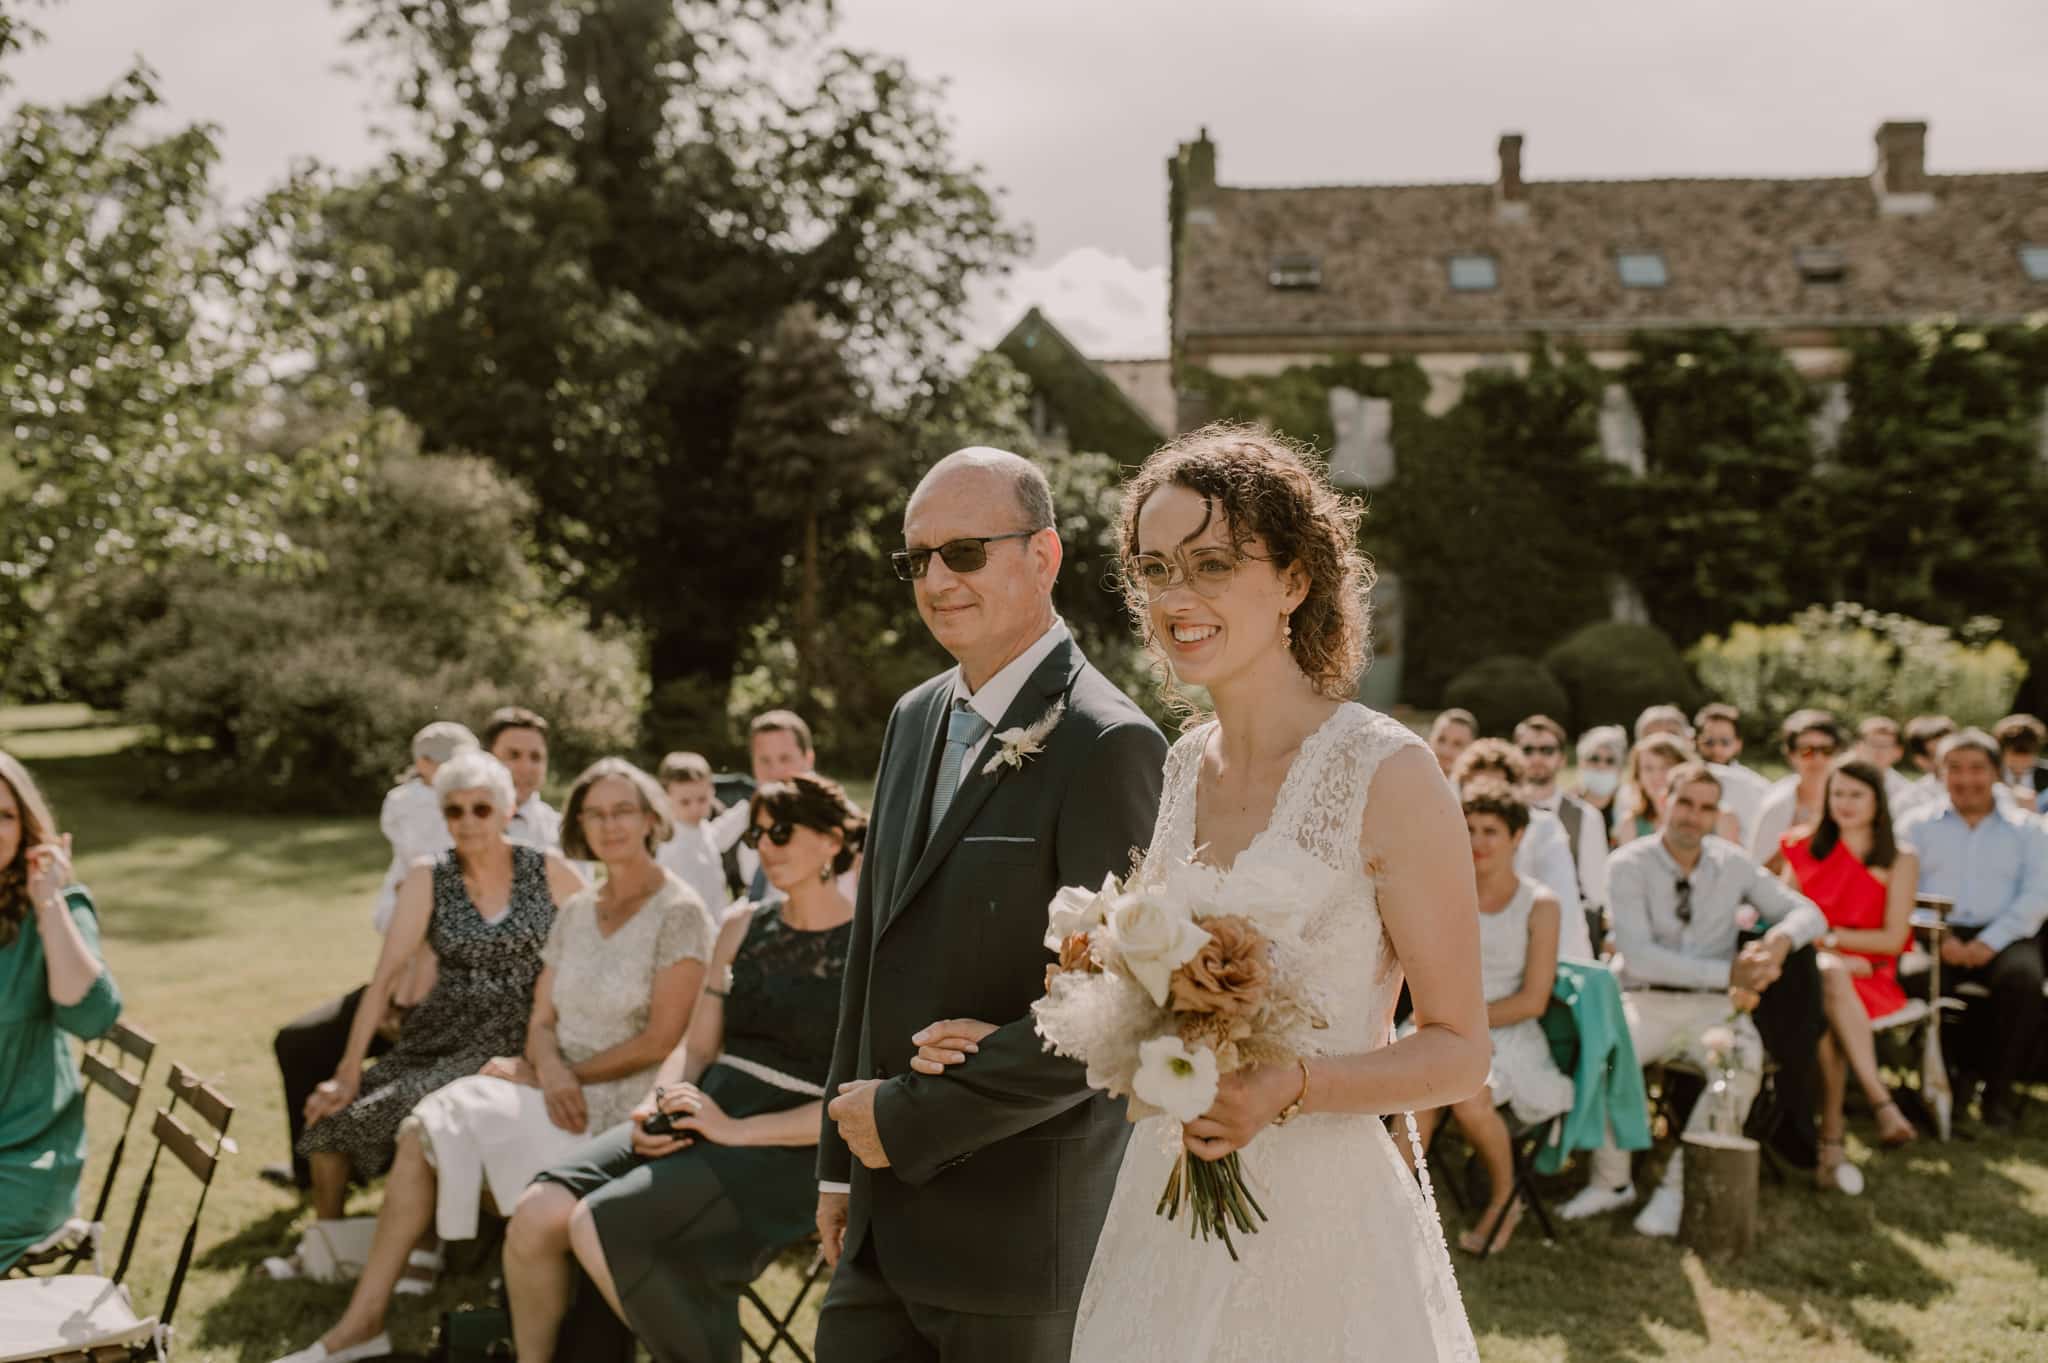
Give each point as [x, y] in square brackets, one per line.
[617, 814]
[1206, 572]
[778, 833]
[961, 556]
[1814, 750]
[454, 812]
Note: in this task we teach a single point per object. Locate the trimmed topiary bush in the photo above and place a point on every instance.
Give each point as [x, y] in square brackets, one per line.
[1503, 690]
[1613, 671]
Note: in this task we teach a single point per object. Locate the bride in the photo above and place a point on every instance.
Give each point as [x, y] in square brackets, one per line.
[1244, 575]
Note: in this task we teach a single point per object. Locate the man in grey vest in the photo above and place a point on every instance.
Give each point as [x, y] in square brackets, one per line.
[962, 1210]
[1542, 740]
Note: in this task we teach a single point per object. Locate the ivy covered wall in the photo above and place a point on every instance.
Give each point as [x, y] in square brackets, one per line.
[1508, 528]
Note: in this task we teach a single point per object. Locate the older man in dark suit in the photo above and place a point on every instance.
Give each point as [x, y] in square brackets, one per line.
[962, 1211]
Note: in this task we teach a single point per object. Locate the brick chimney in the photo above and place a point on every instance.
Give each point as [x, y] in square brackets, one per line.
[1510, 197]
[1197, 166]
[1902, 157]
[1901, 174]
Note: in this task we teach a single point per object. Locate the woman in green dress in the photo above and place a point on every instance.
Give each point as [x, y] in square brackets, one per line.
[670, 1228]
[52, 981]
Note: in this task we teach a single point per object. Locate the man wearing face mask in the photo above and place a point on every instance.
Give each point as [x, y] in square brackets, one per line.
[1541, 740]
[1602, 751]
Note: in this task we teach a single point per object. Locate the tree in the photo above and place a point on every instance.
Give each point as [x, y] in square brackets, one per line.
[610, 209]
[112, 385]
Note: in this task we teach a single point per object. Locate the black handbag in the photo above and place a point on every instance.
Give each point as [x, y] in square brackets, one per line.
[473, 1334]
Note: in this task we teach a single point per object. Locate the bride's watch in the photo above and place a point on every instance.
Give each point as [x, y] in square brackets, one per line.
[1293, 1109]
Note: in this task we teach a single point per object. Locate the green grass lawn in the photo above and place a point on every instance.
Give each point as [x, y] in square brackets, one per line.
[220, 926]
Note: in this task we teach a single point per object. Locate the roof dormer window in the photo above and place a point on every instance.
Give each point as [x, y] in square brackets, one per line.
[1642, 269]
[1474, 273]
[1821, 264]
[1296, 271]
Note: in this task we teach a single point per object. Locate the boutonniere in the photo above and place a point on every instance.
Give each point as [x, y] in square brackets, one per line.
[1020, 745]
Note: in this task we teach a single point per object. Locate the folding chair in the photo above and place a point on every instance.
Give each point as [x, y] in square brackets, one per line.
[119, 1063]
[779, 1323]
[84, 1318]
[1524, 1138]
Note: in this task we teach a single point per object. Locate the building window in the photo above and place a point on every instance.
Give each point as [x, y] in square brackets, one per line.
[1474, 273]
[2034, 260]
[1296, 272]
[1642, 269]
[1821, 264]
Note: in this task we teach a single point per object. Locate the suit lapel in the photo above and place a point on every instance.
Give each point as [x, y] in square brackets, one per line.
[916, 802]
[1048, 681]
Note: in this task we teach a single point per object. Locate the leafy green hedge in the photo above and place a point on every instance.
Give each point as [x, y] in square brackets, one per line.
[1503, 691]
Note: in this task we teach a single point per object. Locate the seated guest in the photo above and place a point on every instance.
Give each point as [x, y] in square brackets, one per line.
[778, 747]
[1923, 736]
[309, 1047]
[1542, 744]
[1717, 732]
[486, 909]
[1518, 927]
[1864, 882]
[518, 737]
[690, 852]
[624, 964]
[1992, 861]
[1811, 739]
[1450, 733]
[1639, 807]
[1663, 719]
[1602, 752]
[1544, 852]
[1877, 742]
[52, 982]
[1674, 899]
[670, 1227]
[2021, 769]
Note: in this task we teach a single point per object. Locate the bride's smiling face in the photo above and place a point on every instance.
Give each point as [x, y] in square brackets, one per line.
[1215, 607]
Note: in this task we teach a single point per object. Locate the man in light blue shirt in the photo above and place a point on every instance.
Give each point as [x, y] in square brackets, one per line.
[1992, 860]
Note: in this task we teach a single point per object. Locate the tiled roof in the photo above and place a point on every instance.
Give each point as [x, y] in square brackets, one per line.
[1728, 246]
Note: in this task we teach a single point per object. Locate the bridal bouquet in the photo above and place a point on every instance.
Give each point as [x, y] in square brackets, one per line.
[1162, 987]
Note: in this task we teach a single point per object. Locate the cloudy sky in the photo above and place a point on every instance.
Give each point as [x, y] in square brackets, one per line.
[1072, 106]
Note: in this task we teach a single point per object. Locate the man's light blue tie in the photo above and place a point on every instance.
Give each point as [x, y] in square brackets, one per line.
[964, 729]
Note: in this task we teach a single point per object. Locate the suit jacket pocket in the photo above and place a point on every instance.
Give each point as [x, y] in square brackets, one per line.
[998, 847]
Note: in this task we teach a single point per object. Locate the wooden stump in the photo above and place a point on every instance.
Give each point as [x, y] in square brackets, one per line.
[1719, 1221]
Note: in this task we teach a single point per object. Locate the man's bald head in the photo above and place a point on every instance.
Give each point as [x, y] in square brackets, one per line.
[1023, 479]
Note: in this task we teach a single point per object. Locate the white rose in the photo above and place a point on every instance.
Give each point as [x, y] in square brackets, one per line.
[1078, 909]
[1276, 893]
[1179, 1081]
[1153, 938]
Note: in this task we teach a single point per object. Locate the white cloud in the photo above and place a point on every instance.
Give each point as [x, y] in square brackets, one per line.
[1108, 305]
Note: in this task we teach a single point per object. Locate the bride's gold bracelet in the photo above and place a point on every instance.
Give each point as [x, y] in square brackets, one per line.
[1293, 1109]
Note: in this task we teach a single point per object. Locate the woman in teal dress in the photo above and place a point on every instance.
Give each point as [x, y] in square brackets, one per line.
[670, 1228]
[52, 981]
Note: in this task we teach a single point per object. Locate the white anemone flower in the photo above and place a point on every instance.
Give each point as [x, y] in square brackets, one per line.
[1179, 1081]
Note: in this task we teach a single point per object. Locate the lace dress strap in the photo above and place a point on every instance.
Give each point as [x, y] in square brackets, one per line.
[1177, 794]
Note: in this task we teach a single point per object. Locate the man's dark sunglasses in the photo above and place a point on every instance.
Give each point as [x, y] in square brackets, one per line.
[779, 834]
[962, 555]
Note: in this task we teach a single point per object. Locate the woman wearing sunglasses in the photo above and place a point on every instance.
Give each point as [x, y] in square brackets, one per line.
[673, 1212]
[485, 910]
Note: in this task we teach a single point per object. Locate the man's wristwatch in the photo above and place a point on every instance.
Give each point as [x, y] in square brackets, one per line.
[1293, 1109]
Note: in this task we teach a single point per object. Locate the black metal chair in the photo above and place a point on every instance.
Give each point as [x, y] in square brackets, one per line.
[79, 1316]
[118, 1061]
[780, 1323]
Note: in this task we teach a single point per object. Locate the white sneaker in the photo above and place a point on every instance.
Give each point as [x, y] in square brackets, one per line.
[377, 1347]
[1593, 1199]
[1660, 1214]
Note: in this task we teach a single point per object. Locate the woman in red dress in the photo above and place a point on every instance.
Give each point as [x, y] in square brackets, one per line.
[1864, 882]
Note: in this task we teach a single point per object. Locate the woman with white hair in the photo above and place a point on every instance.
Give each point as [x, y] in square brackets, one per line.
[1602, 750]
[485, 910]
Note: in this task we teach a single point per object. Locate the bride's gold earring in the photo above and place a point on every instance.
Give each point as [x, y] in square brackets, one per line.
[1286, 629]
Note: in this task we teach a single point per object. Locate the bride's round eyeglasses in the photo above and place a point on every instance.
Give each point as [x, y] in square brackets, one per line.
[1206, 572]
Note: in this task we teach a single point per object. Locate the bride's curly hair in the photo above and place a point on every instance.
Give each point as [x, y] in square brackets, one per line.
[1273, 489]
[36, 827]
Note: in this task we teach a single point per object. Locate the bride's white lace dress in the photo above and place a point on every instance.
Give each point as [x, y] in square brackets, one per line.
[1352, 1265]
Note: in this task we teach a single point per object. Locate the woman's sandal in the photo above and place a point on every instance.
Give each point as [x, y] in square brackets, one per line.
[1834, 1173]
[422, 1272]
[1496, 1233]
[1897, 1130]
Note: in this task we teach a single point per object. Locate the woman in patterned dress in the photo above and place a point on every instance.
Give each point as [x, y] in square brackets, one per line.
[624, 965]
[485, 909]
[670, 1228]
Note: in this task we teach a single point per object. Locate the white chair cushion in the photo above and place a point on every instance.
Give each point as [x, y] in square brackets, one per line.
[44, 1316]
[1912, 1011]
